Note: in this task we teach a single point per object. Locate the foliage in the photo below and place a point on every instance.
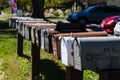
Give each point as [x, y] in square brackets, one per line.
[56, 13]
[52, 3]
[90, 75]
[24, 4]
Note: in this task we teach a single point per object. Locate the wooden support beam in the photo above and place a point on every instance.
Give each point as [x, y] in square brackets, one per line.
[35, 61]
[19, 44]
[73, 74]
[109, 75]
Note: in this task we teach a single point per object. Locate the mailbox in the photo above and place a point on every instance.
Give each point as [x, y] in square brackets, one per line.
[48, 40]
[96, 53]
[66, 50]
[38, 33]
[41, 36]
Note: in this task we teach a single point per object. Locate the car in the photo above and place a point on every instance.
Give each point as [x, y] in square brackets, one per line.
[117, 29]
[109, 23]
[93, 14]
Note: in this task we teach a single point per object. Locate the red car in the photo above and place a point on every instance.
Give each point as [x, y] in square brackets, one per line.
[109, 23]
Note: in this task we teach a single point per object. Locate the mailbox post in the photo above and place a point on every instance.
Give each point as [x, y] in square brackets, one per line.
[19, 44]
[35, 60]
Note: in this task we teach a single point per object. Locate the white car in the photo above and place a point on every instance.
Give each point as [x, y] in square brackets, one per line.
[117, 29]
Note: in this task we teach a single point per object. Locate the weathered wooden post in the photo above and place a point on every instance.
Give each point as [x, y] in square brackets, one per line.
[35, 57]
[19, 44]
[109, 74]
[73, 74]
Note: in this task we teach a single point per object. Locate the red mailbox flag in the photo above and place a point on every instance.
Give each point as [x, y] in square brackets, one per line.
[13, 5]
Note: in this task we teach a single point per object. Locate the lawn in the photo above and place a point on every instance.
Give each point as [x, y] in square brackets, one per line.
[13, 67]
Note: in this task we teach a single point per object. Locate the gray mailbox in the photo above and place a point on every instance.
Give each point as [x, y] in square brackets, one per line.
[96, 53]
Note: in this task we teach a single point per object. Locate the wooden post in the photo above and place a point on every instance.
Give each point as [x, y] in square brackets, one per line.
[109, 75]
[35, 61]
[19, 44]
[73, 74]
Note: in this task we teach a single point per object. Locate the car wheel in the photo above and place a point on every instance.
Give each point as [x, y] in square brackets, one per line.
[82, 21]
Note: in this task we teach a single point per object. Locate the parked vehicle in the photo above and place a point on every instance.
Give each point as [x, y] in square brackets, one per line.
[93, 14]
[109, 23]
[117, 29]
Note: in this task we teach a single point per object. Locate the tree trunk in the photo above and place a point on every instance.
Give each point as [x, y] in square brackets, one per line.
[37, 8]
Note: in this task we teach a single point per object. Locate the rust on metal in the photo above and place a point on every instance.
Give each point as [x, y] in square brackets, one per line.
[83, 34]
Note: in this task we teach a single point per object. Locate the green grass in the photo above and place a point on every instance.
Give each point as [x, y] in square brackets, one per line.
[19, 68]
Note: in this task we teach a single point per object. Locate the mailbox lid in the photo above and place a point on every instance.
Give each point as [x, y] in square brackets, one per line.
[97, 53]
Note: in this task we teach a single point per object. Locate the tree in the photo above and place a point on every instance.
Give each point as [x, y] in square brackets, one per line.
[37, 8]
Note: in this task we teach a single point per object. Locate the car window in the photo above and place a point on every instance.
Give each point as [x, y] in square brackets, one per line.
[111, 9]
[97, 9]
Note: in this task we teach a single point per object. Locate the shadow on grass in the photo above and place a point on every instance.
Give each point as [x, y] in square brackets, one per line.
[6, 31]
[4, 25]
[51, 70]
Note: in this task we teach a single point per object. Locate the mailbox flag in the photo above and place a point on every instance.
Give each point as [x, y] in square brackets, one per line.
[13, 5]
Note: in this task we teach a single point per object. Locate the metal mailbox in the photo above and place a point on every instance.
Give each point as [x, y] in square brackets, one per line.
[70, 27]
[96, 53]
[66, 50]
[27, 26]
[48, 40]
[28, 30]
[41, 35]
[37, 33]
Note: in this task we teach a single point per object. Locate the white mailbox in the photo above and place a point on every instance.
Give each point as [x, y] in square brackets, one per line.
[42, 33]
[96, 53]
[66, 50]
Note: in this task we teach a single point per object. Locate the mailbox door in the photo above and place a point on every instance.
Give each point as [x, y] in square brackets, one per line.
[77, 55]
[42, 38]
[66, 50]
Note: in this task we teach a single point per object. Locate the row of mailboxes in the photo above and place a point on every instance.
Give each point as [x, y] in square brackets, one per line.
[52, 44]
[86, 50]
[24, 26]
[14, 21]
[57, 37]
[91, 53]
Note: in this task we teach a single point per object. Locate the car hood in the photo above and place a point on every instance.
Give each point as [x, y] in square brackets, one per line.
[111, 18]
